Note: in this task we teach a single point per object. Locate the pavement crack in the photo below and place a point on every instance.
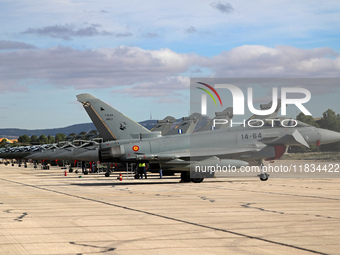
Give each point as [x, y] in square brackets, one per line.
[21, 217]
[104, 249]
[249, 205]
[208, 199]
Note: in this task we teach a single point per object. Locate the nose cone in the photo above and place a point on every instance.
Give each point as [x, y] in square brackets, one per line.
[328, 136]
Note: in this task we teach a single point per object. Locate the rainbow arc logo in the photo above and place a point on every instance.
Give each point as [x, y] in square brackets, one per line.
[209, 93]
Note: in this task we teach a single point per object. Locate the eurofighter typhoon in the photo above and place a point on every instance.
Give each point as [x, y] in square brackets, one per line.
[236, 146]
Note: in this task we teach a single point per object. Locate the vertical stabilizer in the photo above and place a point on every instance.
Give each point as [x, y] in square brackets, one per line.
[164, 125]
[266, 107]
[187, 125]
[226, 114]
[111, 124]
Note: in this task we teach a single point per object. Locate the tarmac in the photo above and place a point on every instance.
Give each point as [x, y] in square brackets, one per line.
[46, 212]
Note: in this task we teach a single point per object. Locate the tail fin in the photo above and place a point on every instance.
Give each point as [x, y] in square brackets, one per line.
[164, 125]
[226, 114]
[187, 125]
[111, 124]
[266, 107]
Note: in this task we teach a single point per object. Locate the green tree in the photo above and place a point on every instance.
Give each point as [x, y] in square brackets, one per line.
[307, 119]
[34, 139]
[24, 139]
[50, 139]
[330, 120]
[42, 139]
[59, 137]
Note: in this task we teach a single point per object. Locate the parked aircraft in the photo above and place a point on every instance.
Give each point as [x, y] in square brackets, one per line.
[235, 146]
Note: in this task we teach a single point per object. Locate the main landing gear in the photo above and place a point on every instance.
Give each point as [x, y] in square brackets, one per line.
[185, 177]
[263, 175]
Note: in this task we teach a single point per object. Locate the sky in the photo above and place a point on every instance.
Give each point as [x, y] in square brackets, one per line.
[139, 56]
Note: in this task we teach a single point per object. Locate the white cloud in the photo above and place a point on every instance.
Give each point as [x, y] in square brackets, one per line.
[155, 73]
[102, 68]
[68, 31]
[10, 45]
[281, 61]
[164, 91]
[223, 7]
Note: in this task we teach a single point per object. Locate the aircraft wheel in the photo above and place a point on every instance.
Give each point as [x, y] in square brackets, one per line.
[107, 174]
[197, 180]
[196, 177]
[264, 176]
[185, 177]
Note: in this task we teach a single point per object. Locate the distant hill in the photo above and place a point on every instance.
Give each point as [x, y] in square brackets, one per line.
[14, 133]
[148, 123]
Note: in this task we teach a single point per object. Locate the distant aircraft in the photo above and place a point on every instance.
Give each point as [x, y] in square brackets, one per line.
[187, 125]
[164, 125]
[226, 114]
[234, 146]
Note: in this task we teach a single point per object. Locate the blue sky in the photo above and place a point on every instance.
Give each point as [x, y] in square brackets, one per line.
[139, 56]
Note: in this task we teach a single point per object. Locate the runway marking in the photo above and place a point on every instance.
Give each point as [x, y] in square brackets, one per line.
[171, 218]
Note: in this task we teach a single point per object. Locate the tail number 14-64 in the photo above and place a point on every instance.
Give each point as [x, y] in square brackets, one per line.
[251, 136]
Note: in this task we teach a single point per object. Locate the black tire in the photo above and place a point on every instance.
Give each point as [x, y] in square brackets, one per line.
[264, 177]
[185, 177]
[197, 180]
[196, 177]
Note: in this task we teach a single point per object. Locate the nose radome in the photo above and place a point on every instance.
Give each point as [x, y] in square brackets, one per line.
[328, 136]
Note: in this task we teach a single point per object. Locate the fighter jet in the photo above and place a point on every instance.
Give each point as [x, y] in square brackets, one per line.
[235, 146]
[226, 114]
[187, 125]
[164, 125]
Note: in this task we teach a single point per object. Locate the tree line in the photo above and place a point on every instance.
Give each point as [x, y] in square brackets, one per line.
[35, 140]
